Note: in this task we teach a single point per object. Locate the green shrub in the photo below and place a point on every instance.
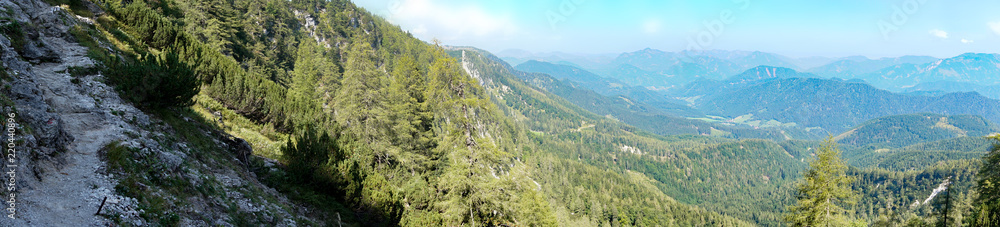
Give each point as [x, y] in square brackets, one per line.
[306, 157]
[85, 36]
[78, 71]
[160, 81]
[12, 29]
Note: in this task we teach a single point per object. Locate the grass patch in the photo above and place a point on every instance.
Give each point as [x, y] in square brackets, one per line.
[264, 139]
[4, 75]
[85, 36]
[12, 29]
[141, 182]
[119, 157]
[720, 133]
[78, 71]
[190, 128]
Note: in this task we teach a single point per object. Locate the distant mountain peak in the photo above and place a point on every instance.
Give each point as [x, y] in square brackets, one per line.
[857, 58]
[763, 72]
[976, 57]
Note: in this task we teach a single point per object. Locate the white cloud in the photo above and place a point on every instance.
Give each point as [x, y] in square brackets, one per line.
[939, 33]
[995, 26]
[449, 21]
[651, 26]
[967, 41]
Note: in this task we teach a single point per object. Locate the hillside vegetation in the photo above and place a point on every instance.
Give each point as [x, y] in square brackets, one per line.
[904, 130]
[354, 118]
[381, 128]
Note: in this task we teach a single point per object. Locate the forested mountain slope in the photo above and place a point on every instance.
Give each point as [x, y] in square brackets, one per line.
[699, 170]
[716, 174]
[944, 86]
[370, 125]
[903, 130]
[359, 123]
[574, 76]
[833, 105]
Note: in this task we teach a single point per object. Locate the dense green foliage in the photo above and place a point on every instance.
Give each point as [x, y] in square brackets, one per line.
[893, 198]
[390, 130]
[713, 173]
[13, 31]
[156, 81]
[987, 210]
[419, 147]
[700, 170]
[908, 129]
[824, 192]
[918, 156]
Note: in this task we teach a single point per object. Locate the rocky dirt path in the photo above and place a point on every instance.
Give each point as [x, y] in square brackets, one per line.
[69, 187]
[70, 192]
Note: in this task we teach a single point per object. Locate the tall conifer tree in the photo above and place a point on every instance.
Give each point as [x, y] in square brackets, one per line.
[823, 191]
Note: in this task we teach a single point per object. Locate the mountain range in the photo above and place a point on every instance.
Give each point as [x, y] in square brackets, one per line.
[320, 113]
[859, 66]
[974, 68]
[834, 105]
[659, 70]
[787, 95]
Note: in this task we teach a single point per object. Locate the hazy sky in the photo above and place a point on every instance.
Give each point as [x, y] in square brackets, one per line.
[829, 28]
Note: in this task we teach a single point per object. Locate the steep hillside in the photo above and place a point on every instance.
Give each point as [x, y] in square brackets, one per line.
[368, 124]
[361, 135]
[891, 197]
[87, 156]
[571, 76]
[604, 86]
[904, 130]
[318, 113]
[649, 111]
[697, 170]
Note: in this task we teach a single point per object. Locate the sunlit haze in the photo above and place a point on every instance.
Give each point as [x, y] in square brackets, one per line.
[793, 28]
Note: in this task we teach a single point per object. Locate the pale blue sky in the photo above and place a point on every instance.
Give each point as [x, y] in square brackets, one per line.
[829, 28]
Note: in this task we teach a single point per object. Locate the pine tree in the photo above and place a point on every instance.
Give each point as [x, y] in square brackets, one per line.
[987, 205]
[360, 105]
[301, 95]
[823, 191]
[404, 104]
[309, 153]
